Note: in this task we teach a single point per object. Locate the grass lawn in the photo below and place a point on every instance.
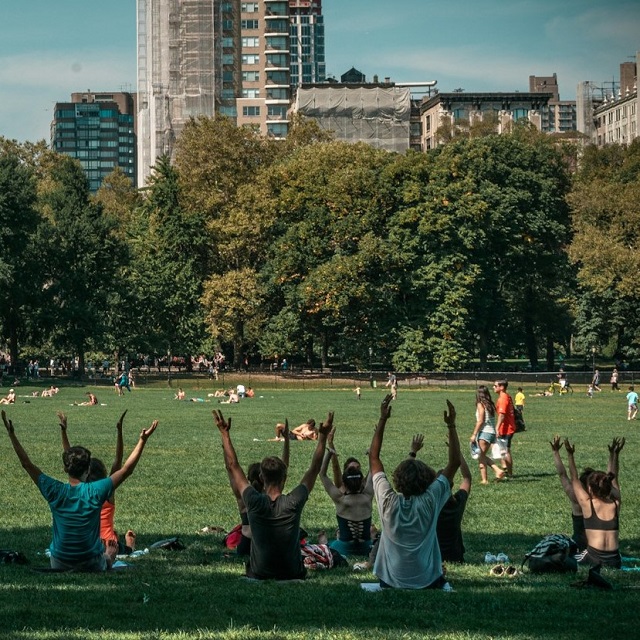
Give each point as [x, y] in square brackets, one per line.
[180, 486]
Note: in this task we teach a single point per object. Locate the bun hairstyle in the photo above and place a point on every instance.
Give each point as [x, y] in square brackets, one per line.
[600, 484]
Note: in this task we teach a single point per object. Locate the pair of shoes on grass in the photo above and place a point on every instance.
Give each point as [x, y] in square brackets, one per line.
[361, 566]
[500, 571]
[501, 558]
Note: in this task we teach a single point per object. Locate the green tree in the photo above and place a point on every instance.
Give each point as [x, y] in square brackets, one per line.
[20, 282]
[80, 254]
[168, 249]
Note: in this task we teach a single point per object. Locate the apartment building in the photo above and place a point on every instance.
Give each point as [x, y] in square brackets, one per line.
[282, 46]
[560, 115]
[460, 110]
[99, 130]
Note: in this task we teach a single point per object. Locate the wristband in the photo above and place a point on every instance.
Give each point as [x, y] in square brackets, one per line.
[412, 454]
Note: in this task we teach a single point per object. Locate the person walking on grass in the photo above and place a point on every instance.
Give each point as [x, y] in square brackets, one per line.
[76, 505]
[632, 404]
[484, 433]
[274, 517]
[408, 553]
[505, 422]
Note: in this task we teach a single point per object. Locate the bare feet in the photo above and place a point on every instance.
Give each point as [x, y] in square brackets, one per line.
[111, 552]
[130, 539]
[322, 537]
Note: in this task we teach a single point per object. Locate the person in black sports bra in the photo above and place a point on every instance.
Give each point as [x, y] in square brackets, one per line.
[577, 518]
[600, 504]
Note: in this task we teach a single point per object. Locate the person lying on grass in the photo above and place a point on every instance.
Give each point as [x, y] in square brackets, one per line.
[408, 554]
[98, 471]
[255, 479]
[600, 504]
[76, 505]
[274, 517]
[352, 493]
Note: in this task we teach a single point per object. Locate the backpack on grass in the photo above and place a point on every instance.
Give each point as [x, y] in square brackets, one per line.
[553, 554]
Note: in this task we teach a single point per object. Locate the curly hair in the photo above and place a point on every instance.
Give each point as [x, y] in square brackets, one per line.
[273, 471]
[600, 484]
[413, 477]
[76, 462]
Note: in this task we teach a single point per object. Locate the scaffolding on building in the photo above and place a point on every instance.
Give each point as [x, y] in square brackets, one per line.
[178, 56]
[377, 115]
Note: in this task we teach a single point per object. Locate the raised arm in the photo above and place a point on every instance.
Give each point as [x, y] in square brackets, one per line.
[613, 465]
[335, 465]
[581, 495]
[286, 446]
[309, 478]
[454, 443]
[63, 431]
[234, 470]
[465, 473]
[127, 469]
[117, 462]
[556, 445]
[375, 464]
[33, 471]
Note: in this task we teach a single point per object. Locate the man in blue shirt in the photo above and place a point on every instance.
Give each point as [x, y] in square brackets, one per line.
[75, 505]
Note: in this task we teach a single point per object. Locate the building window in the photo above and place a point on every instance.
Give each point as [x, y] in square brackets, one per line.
[249, 7]
[251, 93]
[227, 25]
[251, 58]
[252, 42]
[251, 76]
[249, 24]
[227, 58]
[519, 114]
[251, 112]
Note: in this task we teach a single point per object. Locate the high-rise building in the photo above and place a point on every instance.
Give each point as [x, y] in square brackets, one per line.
[282, 46]
[97, 128]
[559, 115]
[306, 42]
[188, 66]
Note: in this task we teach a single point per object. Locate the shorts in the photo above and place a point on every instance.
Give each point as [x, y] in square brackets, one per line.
[506, 441]
[596, 557]
[97, 563]
[351, 548]
[487, 436]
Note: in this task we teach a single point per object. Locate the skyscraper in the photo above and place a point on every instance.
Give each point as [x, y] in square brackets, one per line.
[188, 66]
[282, 46]
[98, 129]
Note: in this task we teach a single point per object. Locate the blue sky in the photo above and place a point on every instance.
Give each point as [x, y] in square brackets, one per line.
[50, 48]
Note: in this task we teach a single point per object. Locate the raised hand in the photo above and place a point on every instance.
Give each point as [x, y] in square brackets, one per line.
[330, 437]
[285, 431]
[556, 443]
[417, 442]
[327, 425]
[620, 445]
[119, 424]
[569, 447]
[7, 423]
[223, 424]
[145, 433]
[450, 416]
[385, 407]
[63, 420]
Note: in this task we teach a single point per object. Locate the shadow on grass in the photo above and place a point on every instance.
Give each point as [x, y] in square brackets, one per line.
[184, 592]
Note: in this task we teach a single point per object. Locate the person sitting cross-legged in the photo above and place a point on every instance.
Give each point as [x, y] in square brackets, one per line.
[408, 554]
[274, 517]
[76, 504]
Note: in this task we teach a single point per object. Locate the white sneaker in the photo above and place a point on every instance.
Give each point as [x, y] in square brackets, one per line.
[503, 558]
[489, 558]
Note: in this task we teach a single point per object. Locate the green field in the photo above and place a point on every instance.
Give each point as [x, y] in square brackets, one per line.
[180, 486]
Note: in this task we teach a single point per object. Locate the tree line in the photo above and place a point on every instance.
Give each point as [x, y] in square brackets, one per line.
[322, 251]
